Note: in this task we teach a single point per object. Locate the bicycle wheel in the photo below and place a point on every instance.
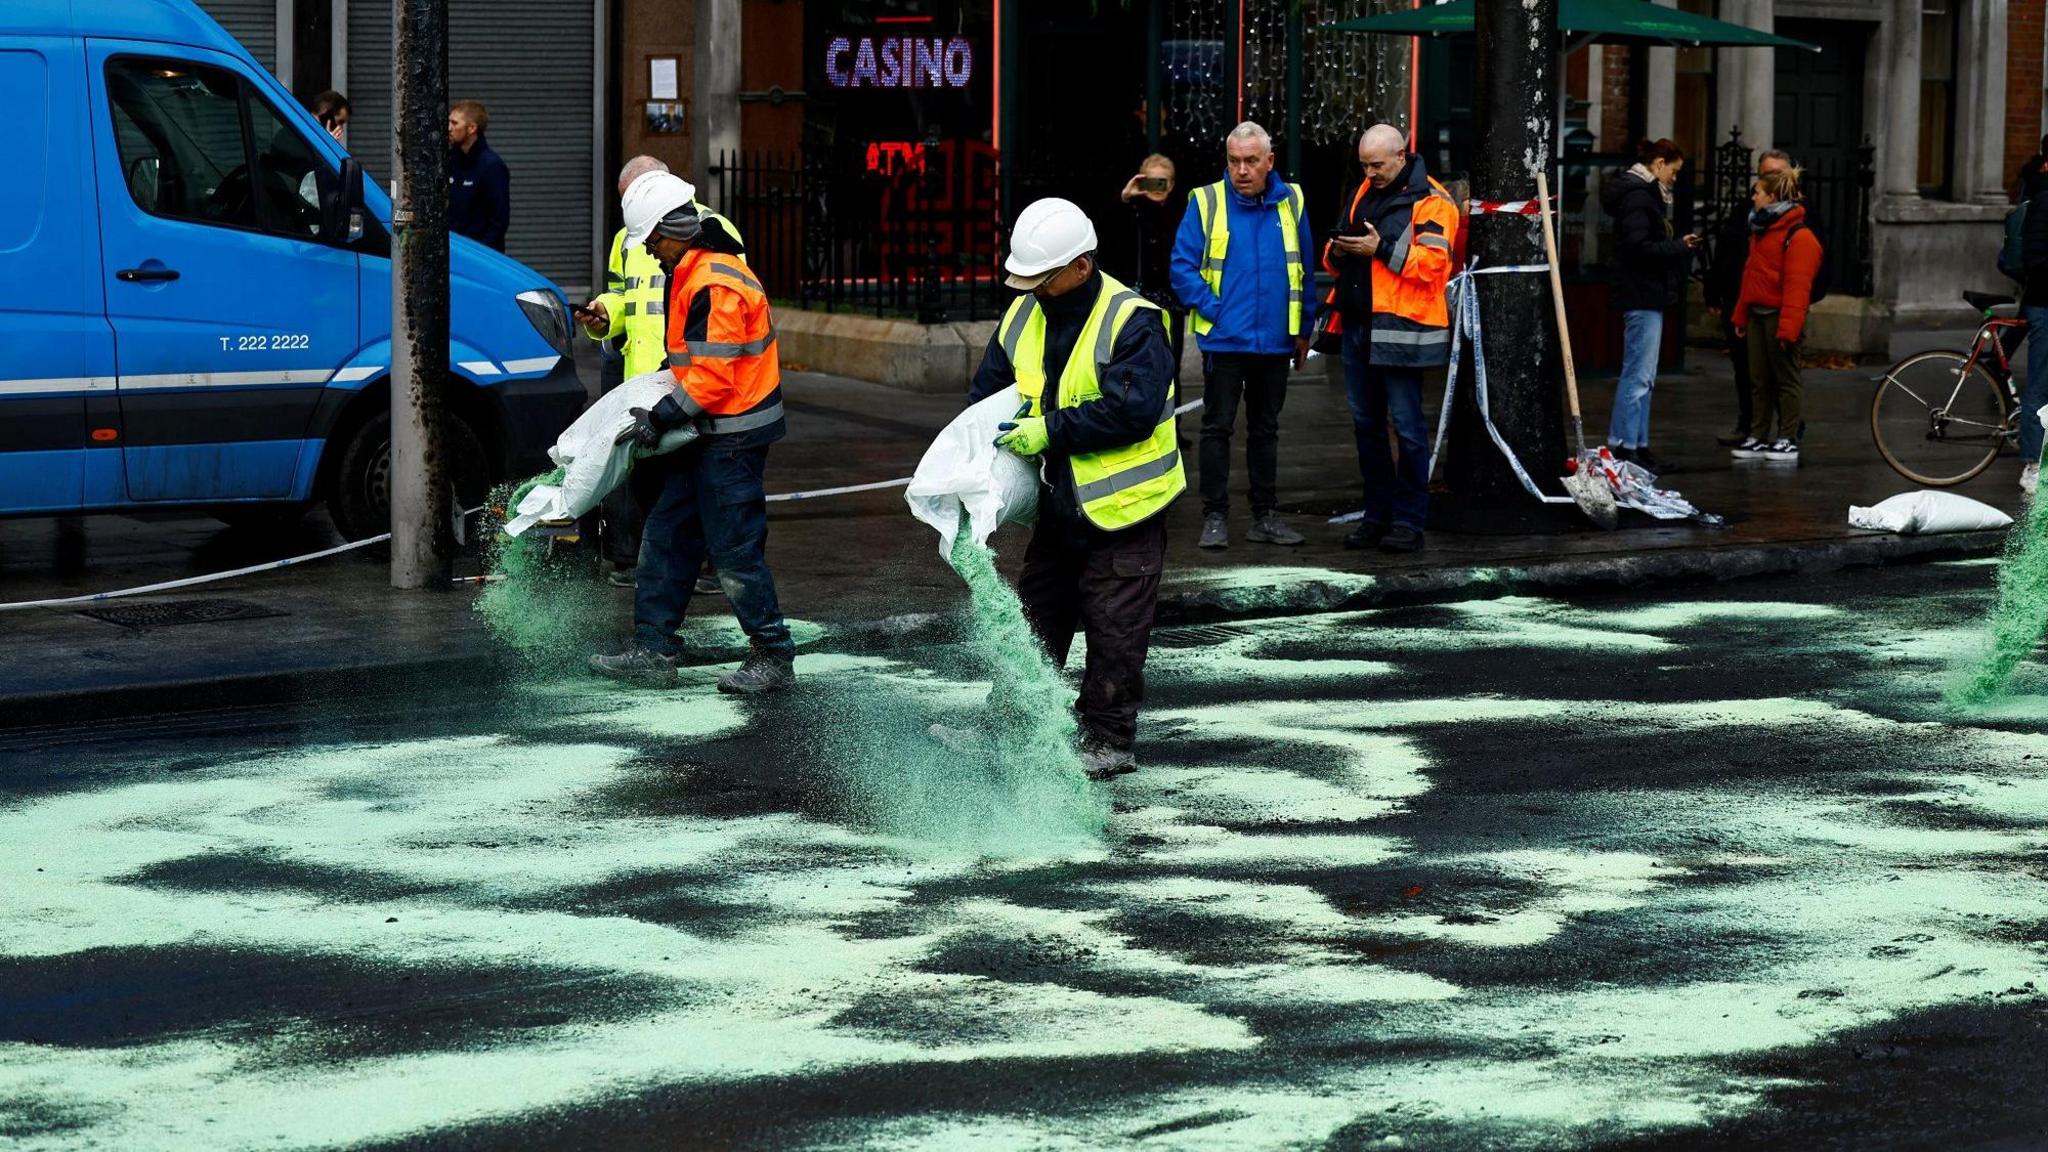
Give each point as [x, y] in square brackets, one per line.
[1936, 424]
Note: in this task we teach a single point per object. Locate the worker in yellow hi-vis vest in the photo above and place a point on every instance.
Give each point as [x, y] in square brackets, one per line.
[1091, 360]
[630, 320]
[1240, 265]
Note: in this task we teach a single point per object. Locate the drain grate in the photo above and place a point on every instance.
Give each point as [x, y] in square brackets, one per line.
[1199, 635]
[165, 614]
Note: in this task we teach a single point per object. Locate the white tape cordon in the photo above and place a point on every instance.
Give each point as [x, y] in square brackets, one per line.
[324, 553]
[1465, 318]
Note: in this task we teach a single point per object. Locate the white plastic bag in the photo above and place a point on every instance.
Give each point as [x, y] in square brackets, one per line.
[592, 463]
[964, 469]
[1913, 513]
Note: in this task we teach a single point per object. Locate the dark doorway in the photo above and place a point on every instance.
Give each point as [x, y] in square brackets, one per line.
[1819, 120]
[1080, 130]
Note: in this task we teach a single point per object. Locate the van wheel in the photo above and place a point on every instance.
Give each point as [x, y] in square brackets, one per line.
[360, 500]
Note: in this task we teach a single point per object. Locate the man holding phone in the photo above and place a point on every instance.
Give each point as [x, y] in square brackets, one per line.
[1157, 213]
[1393, 258]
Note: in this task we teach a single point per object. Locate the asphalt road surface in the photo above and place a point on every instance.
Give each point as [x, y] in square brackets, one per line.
[1709, 868]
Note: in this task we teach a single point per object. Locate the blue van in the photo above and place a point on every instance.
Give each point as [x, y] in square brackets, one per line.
[195, 289]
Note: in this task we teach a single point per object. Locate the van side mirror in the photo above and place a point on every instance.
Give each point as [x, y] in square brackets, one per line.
[341, 212]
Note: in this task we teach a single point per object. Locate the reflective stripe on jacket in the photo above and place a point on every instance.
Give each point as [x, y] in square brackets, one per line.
[635, 299]
[1410, 273]
[636, 303]
[1212, 205]
[1117, 487]
[721, 344]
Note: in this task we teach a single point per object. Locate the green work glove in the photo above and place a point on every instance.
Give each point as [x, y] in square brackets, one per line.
[1025, 437]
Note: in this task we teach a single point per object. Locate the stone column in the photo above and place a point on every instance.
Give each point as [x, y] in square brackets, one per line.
[1660, 98]
[716, 86]
[1760, 79]
[1900, 174]
[1980, 101]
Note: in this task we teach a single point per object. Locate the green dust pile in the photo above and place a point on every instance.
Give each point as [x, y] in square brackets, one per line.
[1005, 778]
[548, 604]
[2019, 620]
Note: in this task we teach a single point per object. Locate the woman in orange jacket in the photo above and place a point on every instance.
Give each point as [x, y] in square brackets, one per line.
[1777, 288]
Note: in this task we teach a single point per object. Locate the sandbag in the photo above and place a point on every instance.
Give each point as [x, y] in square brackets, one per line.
[1916, 513]
[963, 468]
[592, 463]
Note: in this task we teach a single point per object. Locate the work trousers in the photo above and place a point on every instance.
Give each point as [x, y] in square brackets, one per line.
[704, 499]
[1106, 585]
[1776, 388]
[1738, 357]
[1261, 382]
[2035, 392]
[1396, 491]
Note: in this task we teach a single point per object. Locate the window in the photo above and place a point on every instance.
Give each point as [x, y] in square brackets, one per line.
[1937, 100]
[185, 134]
[290, 174]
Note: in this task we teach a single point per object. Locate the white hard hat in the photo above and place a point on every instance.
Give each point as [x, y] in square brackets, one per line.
[650, 198]
[1049, 234]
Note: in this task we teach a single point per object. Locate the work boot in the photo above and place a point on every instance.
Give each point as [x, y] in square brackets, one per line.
[1654, 464]
[764, 670]
[621, 576]
[1100, 761]
[637, 665]
[1215, 531]
[1368, 534]
[1402, 539]
[1268, 528]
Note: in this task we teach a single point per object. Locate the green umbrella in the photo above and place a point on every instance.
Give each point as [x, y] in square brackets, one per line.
[1585, 21]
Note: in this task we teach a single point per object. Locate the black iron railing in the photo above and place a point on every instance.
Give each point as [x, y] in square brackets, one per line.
[907, 231]
[1837, 194]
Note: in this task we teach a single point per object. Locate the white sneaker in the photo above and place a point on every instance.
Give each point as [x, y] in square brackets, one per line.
[1782, 450]
[2030, 478]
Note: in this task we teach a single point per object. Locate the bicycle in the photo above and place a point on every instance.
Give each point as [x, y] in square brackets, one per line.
[1940, 418]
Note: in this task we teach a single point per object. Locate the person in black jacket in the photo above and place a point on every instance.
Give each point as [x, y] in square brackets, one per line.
[1649, 278]
[1724, 287]
[1156, 207]
[479, 184]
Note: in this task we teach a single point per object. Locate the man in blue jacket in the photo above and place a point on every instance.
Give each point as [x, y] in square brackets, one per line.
[479, 184]
[1240, 267]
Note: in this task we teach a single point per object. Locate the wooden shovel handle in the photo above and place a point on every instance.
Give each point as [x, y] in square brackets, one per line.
[1564, 331]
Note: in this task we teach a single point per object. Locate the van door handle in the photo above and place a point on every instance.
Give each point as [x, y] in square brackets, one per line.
[139, 275]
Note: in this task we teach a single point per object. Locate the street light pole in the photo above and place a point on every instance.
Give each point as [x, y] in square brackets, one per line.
[1517, 82]
[422, 529]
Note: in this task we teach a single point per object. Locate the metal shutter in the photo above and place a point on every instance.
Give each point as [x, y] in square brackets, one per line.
[531, 64]
[253, 22]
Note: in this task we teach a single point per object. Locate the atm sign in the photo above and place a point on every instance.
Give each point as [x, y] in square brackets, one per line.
[899, 62]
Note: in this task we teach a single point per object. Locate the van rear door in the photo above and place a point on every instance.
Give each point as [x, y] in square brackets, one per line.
[54, 349]
[230, 312]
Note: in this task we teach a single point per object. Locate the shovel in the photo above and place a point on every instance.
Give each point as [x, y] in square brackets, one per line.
[1586, 480]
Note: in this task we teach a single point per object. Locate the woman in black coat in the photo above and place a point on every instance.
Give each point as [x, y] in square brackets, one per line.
[1649, 275]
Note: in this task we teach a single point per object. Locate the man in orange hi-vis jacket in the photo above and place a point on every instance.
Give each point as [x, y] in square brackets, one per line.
[707, 496]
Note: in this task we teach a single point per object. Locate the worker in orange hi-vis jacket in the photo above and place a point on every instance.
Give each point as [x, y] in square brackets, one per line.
[706, 497]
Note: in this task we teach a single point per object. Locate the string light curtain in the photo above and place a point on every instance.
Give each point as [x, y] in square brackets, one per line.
[1348, 80]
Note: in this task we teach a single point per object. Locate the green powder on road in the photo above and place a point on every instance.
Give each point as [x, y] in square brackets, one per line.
[2019, 619]
[548, 604]
[1010, 783]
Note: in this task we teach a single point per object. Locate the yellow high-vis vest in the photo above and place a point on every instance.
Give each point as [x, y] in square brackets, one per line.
[1213, 207]
[1117, 487]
